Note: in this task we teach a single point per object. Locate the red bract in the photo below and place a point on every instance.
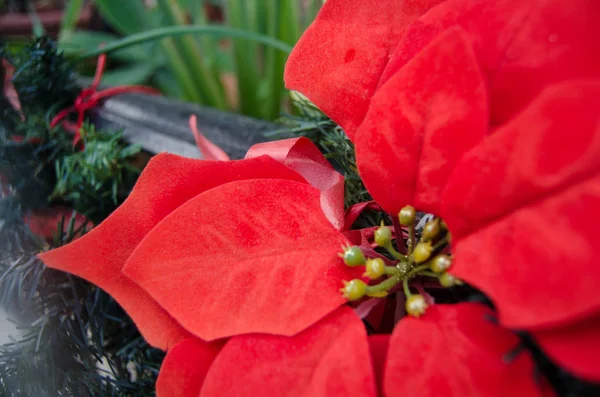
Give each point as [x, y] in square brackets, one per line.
[183, 370]
[439, 112]
[261, 257]
[328, 359]
[304, 157]
[536, 229]
[343, 82]
[485, 113]
[520, 45]
[220, 247]
[457, 351]
[451, 351]
[209, 150]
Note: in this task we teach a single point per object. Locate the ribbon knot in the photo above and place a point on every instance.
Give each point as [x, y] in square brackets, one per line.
[89, 98]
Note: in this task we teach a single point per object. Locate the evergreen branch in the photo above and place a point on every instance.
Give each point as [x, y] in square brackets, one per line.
[73, 338]
[95, 180]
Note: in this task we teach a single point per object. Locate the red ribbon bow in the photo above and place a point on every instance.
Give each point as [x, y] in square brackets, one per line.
[89, 98]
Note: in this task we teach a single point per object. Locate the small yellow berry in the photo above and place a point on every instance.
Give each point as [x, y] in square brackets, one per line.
[441, 263]
[354, 289]
[431, 229]
[375, 268]
[353, 256]
[407, 215]
[422, 251]
[383, 236]
[416, 305]
[447, 280]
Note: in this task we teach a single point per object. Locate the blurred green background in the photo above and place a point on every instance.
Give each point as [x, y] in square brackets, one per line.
[236, 63]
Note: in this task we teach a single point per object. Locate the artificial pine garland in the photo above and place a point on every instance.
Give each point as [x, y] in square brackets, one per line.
[74, 339]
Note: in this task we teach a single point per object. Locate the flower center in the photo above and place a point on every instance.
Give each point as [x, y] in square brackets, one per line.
[407, 251]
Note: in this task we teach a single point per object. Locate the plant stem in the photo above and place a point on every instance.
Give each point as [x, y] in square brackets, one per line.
[383, 286]
[411, 238]
[180, 71]
[390, 248]
[406, 288]
[392, 271]
[171, 31]
[417, 270]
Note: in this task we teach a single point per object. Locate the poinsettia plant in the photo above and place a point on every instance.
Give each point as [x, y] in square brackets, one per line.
[483, 114]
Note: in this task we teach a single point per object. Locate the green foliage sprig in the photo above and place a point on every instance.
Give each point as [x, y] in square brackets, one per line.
[46, 84]
[73, 338]
[98, 178]
[40, 162]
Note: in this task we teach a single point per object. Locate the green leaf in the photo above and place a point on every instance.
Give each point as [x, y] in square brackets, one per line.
[205, 81]
[78, 42]
[171, 31]
[130, 151]
[245, 56]
[131, 17]
[137, 73]
[127, 17]
[167, 83]
[284, 19]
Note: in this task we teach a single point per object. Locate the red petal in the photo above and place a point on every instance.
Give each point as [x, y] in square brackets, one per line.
[453, 350]
[528, 199]
[184, 368]
[575, 347]
[167, 182]
[357, 237]
[303, 156]
[209, 150]
[339, 59]
[331, 358]
[420, 123]
[521, 45]
[354, 212]
[379, 345]
[250, 256]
